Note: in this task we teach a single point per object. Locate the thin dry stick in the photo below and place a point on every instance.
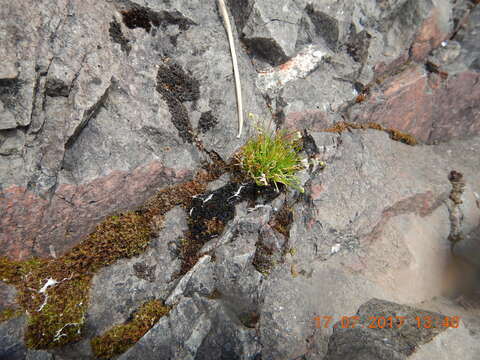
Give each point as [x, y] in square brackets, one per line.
[226, 20]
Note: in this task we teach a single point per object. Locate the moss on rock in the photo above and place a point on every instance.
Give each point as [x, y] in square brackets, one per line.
[55, 292]
[394, 134]
[120, 338]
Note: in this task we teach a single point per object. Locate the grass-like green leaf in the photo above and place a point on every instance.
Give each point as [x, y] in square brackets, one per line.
[271, 159]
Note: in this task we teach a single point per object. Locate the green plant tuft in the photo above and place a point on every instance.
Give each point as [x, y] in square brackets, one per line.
[272, 158]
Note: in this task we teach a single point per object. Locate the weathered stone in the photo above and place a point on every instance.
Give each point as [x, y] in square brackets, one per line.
[469, 246]
[434, 106]
[327, 22]
[435, 29]
[197, 328]
[287, 317]
[33, 225]
[366, 341]
[104, 103]
[271, 30]
[11, 339]
[424, 105]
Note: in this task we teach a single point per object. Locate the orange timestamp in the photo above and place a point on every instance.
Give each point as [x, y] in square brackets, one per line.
[391, 322]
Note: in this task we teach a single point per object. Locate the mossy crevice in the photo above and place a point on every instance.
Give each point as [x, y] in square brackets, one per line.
[394, 134]
[120, 338]
[55, 292]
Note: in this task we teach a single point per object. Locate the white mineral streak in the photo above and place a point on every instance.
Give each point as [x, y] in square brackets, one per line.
[298, 67]
[59, 334]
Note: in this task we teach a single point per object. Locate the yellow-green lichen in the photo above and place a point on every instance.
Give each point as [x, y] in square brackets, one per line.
[120, 338]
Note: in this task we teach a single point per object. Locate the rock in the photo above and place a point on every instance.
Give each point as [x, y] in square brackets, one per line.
[102, 104]
[118, 290]
[197, 328]
[372, 339]
[442, 100]
[326, 22]
[181, 286]
[271, 30]
[97, 117]
[468, 247]
[287, 325]
[7, 296]
[11, 339]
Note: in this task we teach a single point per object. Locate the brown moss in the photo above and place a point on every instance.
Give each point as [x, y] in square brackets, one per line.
[263, 259]
[9, 313]
[120, 338]
[56, 313]
[215, 295]
[402, 137]
[282, 221]
[213, 226]
[394, 134]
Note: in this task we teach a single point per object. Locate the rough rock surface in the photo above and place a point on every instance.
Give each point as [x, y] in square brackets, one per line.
[435, 101]
[103, 103]
[372, 339]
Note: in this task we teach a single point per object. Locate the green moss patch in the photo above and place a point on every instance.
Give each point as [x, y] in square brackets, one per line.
[120, 338]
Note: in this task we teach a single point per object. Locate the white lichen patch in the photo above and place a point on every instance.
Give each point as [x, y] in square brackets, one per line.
[50, 282]
[43, 290]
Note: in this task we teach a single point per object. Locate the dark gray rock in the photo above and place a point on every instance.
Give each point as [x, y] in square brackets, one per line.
[379, 341]
[197, 328]
[11, 339]
[271, 29]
